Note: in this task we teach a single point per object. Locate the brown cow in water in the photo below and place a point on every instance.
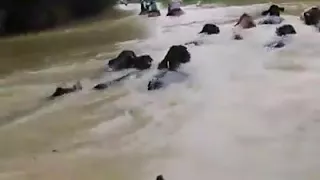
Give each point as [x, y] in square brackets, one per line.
[245, 22]
[311, 17]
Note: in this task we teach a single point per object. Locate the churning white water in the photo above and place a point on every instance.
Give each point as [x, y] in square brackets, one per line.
[245, 113]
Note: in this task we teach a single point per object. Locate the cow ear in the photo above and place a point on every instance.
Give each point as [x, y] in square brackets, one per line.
[281, 9]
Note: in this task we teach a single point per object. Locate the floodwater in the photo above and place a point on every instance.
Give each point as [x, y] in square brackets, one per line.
[246, 112]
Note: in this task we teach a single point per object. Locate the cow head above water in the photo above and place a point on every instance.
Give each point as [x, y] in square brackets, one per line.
[245, 21]
[311, 16]
[176, 56]
[274, 10]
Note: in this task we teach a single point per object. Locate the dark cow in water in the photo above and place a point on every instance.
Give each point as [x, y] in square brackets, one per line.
[207, 29]
[274, 10]
[273, 15]
[159, 177]
[66, 90]
[140, 63]
[311, 17]
[283, 32]
[176, 56]
[210, 29]
[126, 59]
[286, 29]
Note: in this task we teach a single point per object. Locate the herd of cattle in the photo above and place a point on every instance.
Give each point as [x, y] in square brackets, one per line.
[178, 54]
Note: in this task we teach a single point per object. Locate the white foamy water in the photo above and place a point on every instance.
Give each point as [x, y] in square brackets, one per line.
[245, 113]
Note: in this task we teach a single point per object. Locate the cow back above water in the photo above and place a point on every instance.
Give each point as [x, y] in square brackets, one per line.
[210, 29]
[274, 10]
[245, 21]
[286, 29]
[177, 55]
[311, 16]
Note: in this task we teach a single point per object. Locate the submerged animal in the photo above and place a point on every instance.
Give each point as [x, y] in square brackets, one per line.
[210, 29]
[159, 177]
[283, 33]
[274, 10]
[311, 17]
[285, 29]
[140, 63]
[245, 22]
[273, 15]
[128, 59]
[177, 55]
[60, 91]
[168, 67]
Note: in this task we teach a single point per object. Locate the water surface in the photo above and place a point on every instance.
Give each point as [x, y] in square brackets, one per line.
[246, 112]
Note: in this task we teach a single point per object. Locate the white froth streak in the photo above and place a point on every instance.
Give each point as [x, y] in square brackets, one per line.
[246, 112]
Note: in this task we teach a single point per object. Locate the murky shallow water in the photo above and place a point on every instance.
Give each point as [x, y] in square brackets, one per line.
[245, 113]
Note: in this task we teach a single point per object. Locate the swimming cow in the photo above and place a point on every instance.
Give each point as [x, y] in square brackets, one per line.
[210, 29]
[311, 17]
[159, 177]
[169, 66]
[126, 60]
[66, 90]
[283, 33]
[273, 15]
[245, 22]
[286, 29]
